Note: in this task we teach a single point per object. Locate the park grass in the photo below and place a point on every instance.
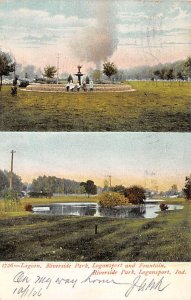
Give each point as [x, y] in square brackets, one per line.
[152, 107]
[69, 238]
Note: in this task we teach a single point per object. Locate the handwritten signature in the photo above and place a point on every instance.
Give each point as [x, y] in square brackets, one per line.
[28, 287]
[138, 283]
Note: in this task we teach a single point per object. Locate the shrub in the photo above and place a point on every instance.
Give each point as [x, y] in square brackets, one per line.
[28, 207]
[111, 199]
[135, 194]
[163, 206]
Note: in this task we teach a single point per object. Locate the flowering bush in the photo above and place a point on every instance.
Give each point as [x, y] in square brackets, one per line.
[111, 199]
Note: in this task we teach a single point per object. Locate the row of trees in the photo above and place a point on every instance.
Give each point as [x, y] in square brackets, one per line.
[55, 185]
[180, 70]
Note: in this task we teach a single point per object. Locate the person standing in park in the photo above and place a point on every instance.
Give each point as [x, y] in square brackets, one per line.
[91, 85]
[84, 86]
[71, 86]
[68, 87]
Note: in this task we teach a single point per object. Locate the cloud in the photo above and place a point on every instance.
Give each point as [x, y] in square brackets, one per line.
[40, 39]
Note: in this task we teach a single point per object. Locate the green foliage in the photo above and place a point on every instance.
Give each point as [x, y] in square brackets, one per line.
[48, 184]
[112, 199]
[6, 65]
[4, 182]
[187, 65]
[50, 71]
[87, 80]
[52, 184]
[187, 188]
[135, 194]
[90, 187]
[11, 200]
[188, 62]
[70, 78]
[109, 69]
[118, 189]
[169, 74]
[96, 75]
[180, 76]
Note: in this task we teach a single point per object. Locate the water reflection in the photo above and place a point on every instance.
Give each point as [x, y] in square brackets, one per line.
[93, 209]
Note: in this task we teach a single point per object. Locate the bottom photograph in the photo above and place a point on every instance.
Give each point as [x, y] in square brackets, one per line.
[95, 197]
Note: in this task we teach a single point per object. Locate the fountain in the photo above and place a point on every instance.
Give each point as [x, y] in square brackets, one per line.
[79, 75]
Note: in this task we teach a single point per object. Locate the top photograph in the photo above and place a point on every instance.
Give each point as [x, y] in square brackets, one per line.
[92, 65]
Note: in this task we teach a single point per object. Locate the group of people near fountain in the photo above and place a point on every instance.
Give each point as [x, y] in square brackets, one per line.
[71, 87]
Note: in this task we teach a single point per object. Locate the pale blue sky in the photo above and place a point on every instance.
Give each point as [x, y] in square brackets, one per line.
[144, 31]
[126, 156]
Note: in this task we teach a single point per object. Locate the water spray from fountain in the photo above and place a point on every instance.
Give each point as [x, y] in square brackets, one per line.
[99, 41]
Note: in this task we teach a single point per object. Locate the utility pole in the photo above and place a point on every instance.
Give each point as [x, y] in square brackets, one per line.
[11, 175]
[109, 176]
[58, 58]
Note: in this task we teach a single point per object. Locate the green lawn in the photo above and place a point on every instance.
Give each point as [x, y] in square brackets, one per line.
[64, 238]
[163, 107]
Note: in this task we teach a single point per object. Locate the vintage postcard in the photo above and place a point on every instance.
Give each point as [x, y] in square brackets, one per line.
[99, 65]
[95, 160]
[95, 215]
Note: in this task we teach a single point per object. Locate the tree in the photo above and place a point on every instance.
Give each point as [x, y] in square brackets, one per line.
[174, 189]
[5, 182]
[90, 187]
[187, 64]
[96, 75]
[109, 69]
[48, 184]
[162, 74]
[135, 194]
[187, 188]
[106, 186]
[156, 73]
[50, 71]
[87, 80]
[169, 75]
[118, 189]
[6, 65]
[180, 76]
[70, 78]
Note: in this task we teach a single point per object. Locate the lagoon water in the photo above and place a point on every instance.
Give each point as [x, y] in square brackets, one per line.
[149, 210]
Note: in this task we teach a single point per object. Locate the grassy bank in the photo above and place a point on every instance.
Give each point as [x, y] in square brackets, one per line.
[35, 237]
[161, 107]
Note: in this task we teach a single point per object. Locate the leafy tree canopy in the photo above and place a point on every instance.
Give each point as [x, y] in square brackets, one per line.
[50, 71]
[135, 194]
[5, 182]
[109, 69]
[7, 65]
[187, 188]
[90, 187]
[118, 189]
